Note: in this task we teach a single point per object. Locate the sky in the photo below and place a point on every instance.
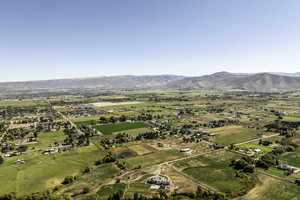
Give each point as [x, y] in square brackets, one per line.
[41, 39]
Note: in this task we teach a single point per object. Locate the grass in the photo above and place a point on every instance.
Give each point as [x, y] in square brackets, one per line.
[269, 188]
[49, 138]
[234, 134]
[41, 172]
[292, 158]
[109, 129]
[265, 149]
[140, 149]
[153, 158]
[135, 131]
[214, 171]
[108, 190]
[86, 122]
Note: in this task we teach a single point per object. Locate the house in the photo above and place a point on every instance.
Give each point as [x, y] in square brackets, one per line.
[20, 161]
[50, 150]
[186, 150]
[284, 167]
[7, 155]
[258, 151]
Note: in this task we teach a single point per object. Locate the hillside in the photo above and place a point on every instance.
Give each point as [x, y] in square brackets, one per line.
[261, 82]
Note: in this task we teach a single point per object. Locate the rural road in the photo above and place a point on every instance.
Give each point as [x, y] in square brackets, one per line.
[254, 140]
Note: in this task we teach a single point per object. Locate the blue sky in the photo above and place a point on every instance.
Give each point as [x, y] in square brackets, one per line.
[42, 39]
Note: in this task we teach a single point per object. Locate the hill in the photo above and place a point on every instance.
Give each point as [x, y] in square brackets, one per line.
[261, 82]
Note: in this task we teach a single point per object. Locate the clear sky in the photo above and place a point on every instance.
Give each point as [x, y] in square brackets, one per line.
[45, 39]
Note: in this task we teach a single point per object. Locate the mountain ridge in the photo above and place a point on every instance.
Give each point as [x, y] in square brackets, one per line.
[258, 82]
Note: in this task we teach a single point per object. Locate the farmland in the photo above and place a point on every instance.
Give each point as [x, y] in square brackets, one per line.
[228, 147]
[112, 128]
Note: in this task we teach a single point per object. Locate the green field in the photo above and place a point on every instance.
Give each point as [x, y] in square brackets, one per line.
[41, 172]
[234, 134]
[86, 123]
[215, 172]
[153, 158]
[265, 149]
[109, 129]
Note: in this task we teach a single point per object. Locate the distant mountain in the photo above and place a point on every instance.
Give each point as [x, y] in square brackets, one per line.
[286, 74]
[105, 82]
[261, 82]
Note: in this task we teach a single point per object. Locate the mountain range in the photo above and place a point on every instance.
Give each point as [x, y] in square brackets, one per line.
[259, 82]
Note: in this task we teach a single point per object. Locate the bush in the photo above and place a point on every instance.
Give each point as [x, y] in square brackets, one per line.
[86, 190]
[68, 180]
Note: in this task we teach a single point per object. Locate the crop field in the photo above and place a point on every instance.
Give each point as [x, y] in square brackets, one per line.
[109, 129]
[214, 171]
[135, 131]
[234, 134]
[86, 123]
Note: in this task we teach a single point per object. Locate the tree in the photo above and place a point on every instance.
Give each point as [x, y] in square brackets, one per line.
[22, 148]
[1, 160]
